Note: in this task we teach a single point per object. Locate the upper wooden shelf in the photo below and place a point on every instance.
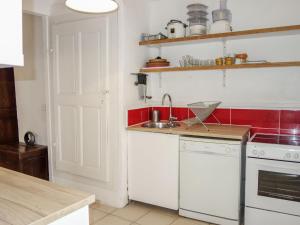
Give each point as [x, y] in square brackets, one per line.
[229, 67]
[264, 32]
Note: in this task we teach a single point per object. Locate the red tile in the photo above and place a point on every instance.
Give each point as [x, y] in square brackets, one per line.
[145, 116]
[136, 116]
[223, 115]
[255, 130]
[180, 113]
[290, 120]
[191, 114]
[256, 118]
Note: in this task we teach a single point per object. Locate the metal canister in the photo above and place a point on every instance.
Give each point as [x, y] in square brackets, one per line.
[155, 116]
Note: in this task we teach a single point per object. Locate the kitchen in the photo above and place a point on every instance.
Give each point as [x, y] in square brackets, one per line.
[111, 158]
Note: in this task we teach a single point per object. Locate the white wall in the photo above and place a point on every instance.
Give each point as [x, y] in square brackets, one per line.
[132, 56]
[258, 88]
[133, 20]
[46, 7]
[30, 81]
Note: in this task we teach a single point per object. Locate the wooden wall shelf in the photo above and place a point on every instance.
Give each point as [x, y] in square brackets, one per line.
[264, 32]
[231, 67]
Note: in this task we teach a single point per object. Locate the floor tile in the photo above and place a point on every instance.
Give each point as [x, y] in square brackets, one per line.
[185, 221]
[112, 220]
[103, 207]
[96, 215]
[156, 218]
[132, 212]
[165, 211]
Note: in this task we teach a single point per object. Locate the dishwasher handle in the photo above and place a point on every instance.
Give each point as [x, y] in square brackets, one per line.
[209, 153]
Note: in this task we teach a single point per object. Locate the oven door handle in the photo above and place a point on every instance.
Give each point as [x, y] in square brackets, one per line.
[281, 196]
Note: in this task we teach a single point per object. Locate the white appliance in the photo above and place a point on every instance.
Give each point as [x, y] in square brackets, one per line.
[210, 180]
[176, 29]
[221, 26]
[273, 180]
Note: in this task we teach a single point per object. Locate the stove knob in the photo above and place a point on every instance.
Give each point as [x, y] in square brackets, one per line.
[288, 155]
[296, 156]
[254, 152]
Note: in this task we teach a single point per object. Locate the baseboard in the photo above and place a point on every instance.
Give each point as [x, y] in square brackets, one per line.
[207, 218]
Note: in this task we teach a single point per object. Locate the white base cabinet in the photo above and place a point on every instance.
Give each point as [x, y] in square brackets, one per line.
[11, 44]
[79, 217]
[153, 168]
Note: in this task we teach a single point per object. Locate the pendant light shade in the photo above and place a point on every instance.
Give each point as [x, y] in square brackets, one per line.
[92, 6]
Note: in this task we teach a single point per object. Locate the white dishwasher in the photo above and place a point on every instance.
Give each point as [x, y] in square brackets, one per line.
[210, 180]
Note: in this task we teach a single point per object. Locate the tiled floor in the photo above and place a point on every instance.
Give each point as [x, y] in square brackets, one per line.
[137, 214]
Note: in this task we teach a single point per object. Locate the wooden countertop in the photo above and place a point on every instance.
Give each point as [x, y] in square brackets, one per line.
[215, 131]
[27, 200]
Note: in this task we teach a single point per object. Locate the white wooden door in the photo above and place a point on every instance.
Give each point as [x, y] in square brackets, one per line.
[81, 97]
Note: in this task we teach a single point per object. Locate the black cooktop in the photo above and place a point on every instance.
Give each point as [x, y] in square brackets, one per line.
[277, 139]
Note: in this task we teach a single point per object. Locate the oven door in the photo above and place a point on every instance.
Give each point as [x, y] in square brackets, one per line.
[273, 185]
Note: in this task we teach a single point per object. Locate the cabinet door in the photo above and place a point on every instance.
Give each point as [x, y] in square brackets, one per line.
[8, 110]
[11, 46]
[153, 164]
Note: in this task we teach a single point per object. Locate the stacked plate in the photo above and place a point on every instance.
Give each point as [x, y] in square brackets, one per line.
[157, 62]
[197, 18]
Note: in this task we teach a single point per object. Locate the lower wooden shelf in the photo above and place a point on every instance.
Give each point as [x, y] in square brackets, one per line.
[224, 67]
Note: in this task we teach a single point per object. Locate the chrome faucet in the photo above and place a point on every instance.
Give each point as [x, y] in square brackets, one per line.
[171, 117]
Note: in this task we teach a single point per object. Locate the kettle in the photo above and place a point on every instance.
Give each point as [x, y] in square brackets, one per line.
[176, 29]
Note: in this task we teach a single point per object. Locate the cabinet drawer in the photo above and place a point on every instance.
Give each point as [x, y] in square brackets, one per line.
[9, 162]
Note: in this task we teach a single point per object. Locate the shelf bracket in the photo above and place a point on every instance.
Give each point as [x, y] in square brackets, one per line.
[224, 78]
[159, 74]
[159, 51]
[224, 42]
[160, 80]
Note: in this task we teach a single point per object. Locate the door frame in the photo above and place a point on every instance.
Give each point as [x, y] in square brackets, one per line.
[114, 105]
[47, 82]
[117, 193]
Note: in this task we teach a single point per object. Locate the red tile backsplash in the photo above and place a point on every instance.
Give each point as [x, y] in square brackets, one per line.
[223, 115]
[256, 118]
[290, 120]
[181, 113]
[262, 121]
[136, 116]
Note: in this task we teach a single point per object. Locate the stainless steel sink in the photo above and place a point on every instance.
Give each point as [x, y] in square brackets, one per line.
[160, 125]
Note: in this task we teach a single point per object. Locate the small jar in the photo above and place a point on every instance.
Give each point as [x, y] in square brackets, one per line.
[229, 60]
[220, 61]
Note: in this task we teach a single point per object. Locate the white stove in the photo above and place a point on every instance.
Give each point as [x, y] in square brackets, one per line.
[273, 180]
[277, 147]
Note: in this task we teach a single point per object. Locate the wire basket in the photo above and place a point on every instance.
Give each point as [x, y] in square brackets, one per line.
[202, 111]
